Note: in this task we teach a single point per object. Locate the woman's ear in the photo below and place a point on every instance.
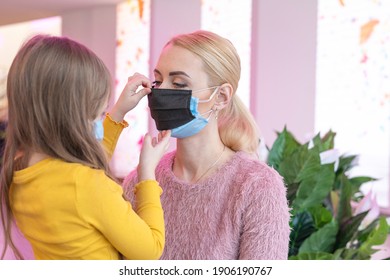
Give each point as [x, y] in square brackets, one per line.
[224, 96]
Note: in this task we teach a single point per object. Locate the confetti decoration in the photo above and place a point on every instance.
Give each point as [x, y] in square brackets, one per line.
[366, 30]
[141, 8]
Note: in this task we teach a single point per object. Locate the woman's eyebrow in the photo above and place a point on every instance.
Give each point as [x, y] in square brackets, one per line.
[173, 73]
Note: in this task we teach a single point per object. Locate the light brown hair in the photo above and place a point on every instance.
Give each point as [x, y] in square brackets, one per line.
[56, 88]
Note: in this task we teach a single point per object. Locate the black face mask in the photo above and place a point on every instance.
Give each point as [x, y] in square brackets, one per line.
[170, 108]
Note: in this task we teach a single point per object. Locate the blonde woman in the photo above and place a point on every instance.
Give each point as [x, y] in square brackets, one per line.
[55, 178]
[220, 202]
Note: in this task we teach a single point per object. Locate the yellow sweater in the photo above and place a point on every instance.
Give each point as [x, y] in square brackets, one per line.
[71, 211]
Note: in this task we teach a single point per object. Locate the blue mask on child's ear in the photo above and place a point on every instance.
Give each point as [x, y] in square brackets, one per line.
[98, 129]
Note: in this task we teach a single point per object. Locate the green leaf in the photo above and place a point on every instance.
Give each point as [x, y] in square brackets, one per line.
[283, 146]
[325, 143]
[328, 140]
[315, 187]
[302, 226]
[377, 237]
[322, 240]
[337, 254]
[351, 254]
[316, 140]
[321, 215]
[346, 163]
[291, 192]
[348, 229]
[356, 182]
[312, 256]
[363, 234]
[344, 211]
[292, 165]
[311, 166]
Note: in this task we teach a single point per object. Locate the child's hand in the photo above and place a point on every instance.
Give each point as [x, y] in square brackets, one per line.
[130, 97]
[152, 151]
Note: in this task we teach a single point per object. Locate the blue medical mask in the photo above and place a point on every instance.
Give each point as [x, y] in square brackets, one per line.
[196, 125]
[177, 110]
[98, 129]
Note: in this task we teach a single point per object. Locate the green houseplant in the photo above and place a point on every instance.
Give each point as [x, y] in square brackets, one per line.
[320, 194]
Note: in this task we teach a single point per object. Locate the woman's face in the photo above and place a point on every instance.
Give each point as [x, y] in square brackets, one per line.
[178, 68]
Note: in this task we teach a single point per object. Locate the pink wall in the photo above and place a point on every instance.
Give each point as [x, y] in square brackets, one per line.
[95, 28]
[283, 66]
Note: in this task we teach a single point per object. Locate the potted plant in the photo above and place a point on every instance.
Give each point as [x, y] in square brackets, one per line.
[321, 194]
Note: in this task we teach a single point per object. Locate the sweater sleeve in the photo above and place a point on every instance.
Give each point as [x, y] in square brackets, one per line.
[128, 186]
[266, 218]
[112, 131]
[138, 234]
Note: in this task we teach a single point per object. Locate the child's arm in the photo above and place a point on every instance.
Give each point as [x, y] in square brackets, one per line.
[130, 97]
[152, 151]
[114, 122]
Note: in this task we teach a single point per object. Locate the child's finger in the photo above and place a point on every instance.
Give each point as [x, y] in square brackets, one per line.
[145, 91]
[147, 139]
[154, 141]
[166, 133]
[165, 138]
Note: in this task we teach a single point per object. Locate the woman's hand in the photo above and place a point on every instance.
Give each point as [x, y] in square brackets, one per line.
[130, 97]
[152, 151]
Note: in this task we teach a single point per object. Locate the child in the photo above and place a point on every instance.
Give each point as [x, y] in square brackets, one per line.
[55, 180]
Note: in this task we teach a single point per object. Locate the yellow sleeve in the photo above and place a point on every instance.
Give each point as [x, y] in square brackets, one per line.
[136, 235]
[112, 131]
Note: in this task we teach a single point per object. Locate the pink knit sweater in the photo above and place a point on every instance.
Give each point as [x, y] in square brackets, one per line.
[239, 212]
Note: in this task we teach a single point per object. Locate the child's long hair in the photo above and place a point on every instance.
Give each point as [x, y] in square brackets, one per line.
[56, 88]
[237, 127]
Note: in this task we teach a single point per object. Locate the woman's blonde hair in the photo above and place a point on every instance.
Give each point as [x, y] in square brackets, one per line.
[56, 88]
[237, 127]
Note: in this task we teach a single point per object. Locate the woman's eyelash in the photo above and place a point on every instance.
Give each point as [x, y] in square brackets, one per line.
[156, 83]
[177, 85]
[180, 85]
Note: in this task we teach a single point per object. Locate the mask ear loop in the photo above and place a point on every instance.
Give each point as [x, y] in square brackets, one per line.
[215, 111]
[207, 112]
[211, 97]
[208, 100]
